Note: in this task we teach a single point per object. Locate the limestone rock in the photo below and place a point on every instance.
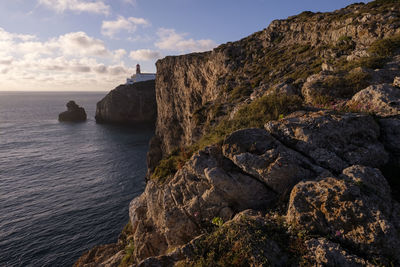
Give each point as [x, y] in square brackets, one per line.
[283, 88]
[331, 140]
[74, 113]
[102, 256]
[326, 253]
[207, 186]
[396, 82]
[260, 155]
[356, 208]
[382, 99]
[129, 104]
[314, 86]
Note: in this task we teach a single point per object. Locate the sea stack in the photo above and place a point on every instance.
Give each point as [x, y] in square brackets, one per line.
[75, 113]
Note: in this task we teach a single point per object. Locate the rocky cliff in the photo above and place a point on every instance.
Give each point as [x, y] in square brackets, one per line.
[129, 104]
[280, 149]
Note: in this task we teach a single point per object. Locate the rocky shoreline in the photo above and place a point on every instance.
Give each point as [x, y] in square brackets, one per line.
[280, 149]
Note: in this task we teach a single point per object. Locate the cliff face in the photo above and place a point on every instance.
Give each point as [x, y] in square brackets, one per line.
[129, 104]
[279, 149]
[190, 87]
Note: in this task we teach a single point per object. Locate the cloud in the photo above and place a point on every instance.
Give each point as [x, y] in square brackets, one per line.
[89, 6]
[6, 36]
[145, 55]
[81, 43]
[73, 61]
[130, 2]
[112, 27]
[169, 39]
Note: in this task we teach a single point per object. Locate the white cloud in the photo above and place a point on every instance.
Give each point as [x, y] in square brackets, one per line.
[130, 2]
[112, 27]
[145, 55]
[169, 39]
[6, 36]
[90, 6]
[73, 61]
[82, 44]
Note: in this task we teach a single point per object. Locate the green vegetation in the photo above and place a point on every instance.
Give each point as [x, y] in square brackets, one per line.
[127, 241]
[246, 242]
[217, 221]
[385, 47]
[255, 114]
[171, 164]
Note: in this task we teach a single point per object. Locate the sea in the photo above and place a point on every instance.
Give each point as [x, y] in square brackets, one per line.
[64, 187]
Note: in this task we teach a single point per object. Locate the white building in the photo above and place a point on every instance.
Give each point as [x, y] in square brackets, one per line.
[140, 77]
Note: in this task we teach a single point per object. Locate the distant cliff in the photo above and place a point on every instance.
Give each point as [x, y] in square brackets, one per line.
[129, 104]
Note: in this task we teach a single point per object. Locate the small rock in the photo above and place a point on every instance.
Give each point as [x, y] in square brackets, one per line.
[74, 113]
[396, 82]
[326, 67]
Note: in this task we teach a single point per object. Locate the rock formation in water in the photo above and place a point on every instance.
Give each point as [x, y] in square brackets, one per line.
[129, 104]
[74, 113]
[280, 149]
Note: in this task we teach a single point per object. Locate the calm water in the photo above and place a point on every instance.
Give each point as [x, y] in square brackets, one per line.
[64, 187]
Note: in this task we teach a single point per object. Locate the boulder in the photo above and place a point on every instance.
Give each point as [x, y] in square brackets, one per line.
[74, 113]
[170, 214]
[333, 141]
[354, 208]
[260, 155]
[327, 253]
[381, 99]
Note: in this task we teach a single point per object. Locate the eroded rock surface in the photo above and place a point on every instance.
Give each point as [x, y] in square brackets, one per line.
[208, 186]
[382, 99]
[326, 253]
[355, 207]
[260, 155]
[334, 141]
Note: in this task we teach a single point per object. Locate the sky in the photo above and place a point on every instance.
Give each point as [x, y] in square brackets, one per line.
[94, 45]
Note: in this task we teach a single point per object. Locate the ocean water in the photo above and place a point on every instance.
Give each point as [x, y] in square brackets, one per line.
[64, 187]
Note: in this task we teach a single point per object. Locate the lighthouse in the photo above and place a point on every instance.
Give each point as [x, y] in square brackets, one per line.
[137, 69]
[140, 77]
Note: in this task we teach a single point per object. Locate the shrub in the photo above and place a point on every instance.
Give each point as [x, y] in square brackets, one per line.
[128, 259]
[385, 47]
[246, 242]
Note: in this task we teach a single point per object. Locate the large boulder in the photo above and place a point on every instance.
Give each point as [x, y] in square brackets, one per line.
[260, 155]
[354, 208]
[333, 141]
[129, 104]
[74, 113]
[382, 99]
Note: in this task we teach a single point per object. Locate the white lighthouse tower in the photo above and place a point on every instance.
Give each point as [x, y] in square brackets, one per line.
[140, 77]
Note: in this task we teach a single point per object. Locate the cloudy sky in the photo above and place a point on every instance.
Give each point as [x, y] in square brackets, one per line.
[93, 45]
